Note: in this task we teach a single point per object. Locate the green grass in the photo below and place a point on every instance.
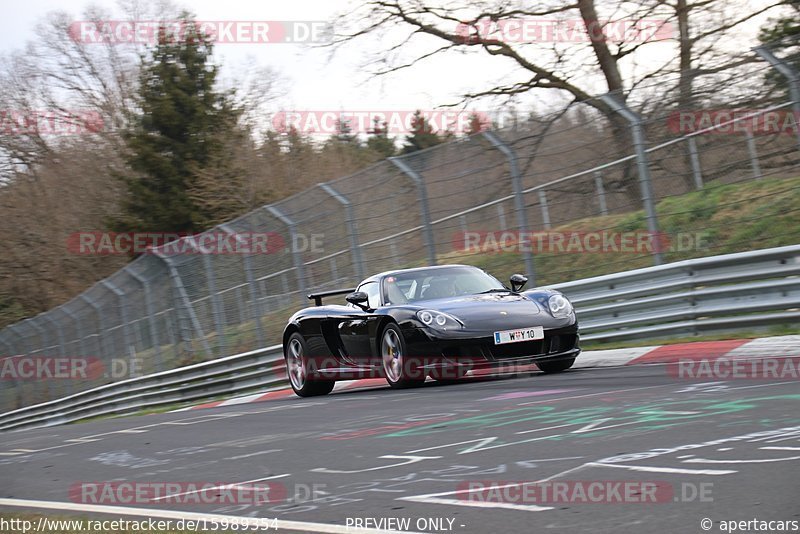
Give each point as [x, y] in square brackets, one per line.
[727, 217]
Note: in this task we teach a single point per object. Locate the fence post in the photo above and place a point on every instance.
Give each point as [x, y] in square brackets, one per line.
[694, 159]
[151, 316]
[601, 192]
[639, 143]
[299, 266]
[501, 214]
[545, 210]
[55, 325]
[47, 382]
[519, 201]
[127, 337]
[101, 321]
[422, 193]
[791, 75]
[753, 152]
[216, 305]
[17, 385]
[79, 329]
[20, 350]
[62, 349]
[182, 300]
[251, 284]
[352, 229]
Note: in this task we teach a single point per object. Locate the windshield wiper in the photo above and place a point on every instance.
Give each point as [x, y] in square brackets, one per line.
[495, 290]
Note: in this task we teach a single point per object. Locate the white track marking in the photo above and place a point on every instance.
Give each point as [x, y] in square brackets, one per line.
[479, 504]
[442, 498]
[252, 522]
[252, 454]
[223, 486]
[782, 448]
[610, 392]
[654, 469]
[756, 461]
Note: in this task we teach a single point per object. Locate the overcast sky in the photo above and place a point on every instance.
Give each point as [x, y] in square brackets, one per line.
[312, 83]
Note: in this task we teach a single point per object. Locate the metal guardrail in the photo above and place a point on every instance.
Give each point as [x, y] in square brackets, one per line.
[716, 293]
[726, 292]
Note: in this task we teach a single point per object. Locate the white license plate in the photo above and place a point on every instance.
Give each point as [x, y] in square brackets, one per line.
[515, 336]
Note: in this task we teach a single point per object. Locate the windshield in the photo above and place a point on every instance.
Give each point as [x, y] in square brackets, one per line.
[429, 284]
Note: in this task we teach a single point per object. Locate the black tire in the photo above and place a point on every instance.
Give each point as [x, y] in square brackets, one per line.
[555, 367]
[397, 369]
[296, 354]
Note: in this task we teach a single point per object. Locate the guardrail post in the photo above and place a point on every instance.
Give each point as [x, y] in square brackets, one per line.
[601, 192]
[422, 194]
[694, 158]
[151, 316]
[753, 152]
[352, 229]
[639, 143]
[519, 201]
[791, 75]
[299, 266]
[182, 301]
[255, 308]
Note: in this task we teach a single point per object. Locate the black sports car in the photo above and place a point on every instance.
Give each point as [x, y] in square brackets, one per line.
[440, 322]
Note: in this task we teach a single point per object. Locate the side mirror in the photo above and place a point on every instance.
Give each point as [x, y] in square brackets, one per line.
[358, 298]
[518, 281]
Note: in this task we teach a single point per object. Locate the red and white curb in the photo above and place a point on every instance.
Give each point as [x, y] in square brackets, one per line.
[745, 349]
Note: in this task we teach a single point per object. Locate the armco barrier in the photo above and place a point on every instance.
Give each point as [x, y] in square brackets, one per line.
[728, 292]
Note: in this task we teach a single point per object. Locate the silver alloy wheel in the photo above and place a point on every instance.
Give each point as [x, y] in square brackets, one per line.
[392, 355]
[294, 362]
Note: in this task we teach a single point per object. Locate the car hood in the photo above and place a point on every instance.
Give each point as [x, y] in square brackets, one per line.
[492, 311]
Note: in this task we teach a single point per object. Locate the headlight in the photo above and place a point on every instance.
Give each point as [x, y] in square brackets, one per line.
[438, 320]
[559, 305]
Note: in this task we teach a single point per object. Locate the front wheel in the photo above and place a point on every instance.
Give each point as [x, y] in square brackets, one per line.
[399, 371]
[555, 367]
[298, 369]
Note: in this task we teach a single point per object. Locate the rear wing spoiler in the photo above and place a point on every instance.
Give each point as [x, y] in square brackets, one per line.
[317, 297]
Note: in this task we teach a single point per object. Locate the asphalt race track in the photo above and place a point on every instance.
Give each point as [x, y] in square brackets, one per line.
[718, 450]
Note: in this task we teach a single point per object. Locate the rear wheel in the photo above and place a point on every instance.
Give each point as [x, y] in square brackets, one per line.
[298, 369]
[555, 367]
[399, 371]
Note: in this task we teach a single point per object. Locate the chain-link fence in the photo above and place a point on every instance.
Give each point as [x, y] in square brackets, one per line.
[593, 189]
